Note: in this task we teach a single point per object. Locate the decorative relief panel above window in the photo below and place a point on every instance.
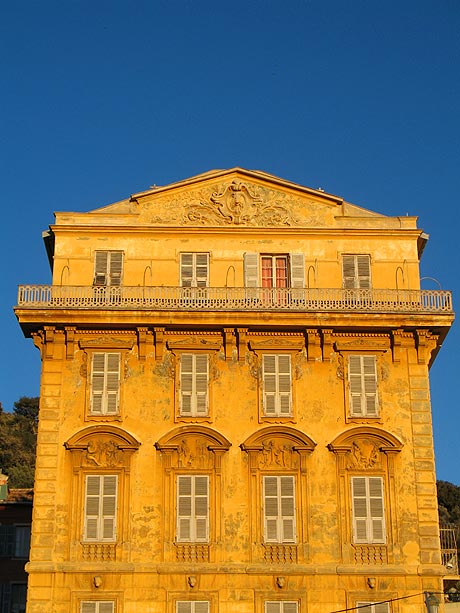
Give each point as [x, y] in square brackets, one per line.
[278, 465]
[100, 458]
[365, 463]
[191, 458]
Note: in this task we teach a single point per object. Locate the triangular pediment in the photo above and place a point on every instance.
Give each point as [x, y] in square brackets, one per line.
[234, 197]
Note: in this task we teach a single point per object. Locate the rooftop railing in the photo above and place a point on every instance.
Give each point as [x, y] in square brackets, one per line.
[234, 299]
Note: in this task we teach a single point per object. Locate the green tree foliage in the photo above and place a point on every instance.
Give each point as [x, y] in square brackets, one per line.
[448, 503]
[18, 440]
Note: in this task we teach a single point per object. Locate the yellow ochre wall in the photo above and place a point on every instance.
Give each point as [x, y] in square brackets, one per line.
[144, 571]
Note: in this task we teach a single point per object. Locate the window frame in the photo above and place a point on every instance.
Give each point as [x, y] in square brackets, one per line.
[368, 522]
[270, 605]
[194, 518]
[194, 393]
[196, 280]
[105, 393]
[99, 518]
[279, 518]
[295, 269]
[360, 386]
[193, 607]
[374, 607]
[97, 606]
[277, 394]
[108, 273]
[353, 262]
[22, 548]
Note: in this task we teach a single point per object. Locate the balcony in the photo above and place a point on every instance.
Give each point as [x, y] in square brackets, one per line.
[235, 299]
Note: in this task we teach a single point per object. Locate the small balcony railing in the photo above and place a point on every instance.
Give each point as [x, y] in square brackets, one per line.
[234, 299]
[449, 551]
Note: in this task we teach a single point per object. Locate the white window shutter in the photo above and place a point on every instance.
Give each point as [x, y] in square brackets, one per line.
[251, 270]
[201, 269]
[100, 507]
[279, 509]
[356, 271]
[88, 607]
[297, 270]
[368, 510]
[105, 383]
[281, 606]
[364, 271]
[97, 606]
[277, 385]
[193, 508]
[192, 606]
[106, 607]
[115, 267]
[362, 377]
[101, 265]
[370, 607]
[194, 269]
[201, 384]
[194, 383]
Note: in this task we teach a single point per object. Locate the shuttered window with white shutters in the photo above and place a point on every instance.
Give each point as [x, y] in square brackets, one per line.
[274, 270]
[100, 508]
[362, 380]
[105, 383]
[277, 385]
[192, 508]
[371, 607]
[108, 268]
[279, 509]
[194, 379]
[192, 606]
[356, 271]
[97, 606]
[194, 269]
[281, 606]
[368, 510]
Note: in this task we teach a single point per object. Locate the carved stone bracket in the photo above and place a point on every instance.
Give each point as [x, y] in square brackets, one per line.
[242, 339]
[70, 341]
[313, 345]
[425, 343]
[230, 342]
[159, 342]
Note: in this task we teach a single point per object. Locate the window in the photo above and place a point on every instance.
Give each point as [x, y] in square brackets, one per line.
[281, 606]
[97, 606]
[193, 508]
[105, 383]
[279, 509]
[22, 542]
[274, 270]
[100, 507]
[277, 397]
[370, 607]
[192, 606]
[7, 541]
[356, 271]
[108, 266]
[194, 377]
[194, 269]
[18, 597]
[368, 510]
[362, 379]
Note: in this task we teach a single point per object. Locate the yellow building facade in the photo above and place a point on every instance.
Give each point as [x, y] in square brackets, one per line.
[235, 411]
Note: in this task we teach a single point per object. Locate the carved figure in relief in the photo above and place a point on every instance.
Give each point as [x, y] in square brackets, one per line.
[364, 454]
[102, 453]
[185, 457]
[91, 451]
[276, 454]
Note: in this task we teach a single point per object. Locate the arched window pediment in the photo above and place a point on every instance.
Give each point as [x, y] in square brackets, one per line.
[101, 446]
[193, 447]
[364, 447]
[278, 447]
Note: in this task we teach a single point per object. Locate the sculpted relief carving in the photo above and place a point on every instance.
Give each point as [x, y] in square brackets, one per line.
[277, 454]
[234, 203]
[364, 454]
[102, 453]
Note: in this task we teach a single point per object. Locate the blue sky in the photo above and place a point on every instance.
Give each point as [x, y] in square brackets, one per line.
[103, 99]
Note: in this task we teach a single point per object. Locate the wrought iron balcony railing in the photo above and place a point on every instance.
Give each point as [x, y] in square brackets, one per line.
[234, 299]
